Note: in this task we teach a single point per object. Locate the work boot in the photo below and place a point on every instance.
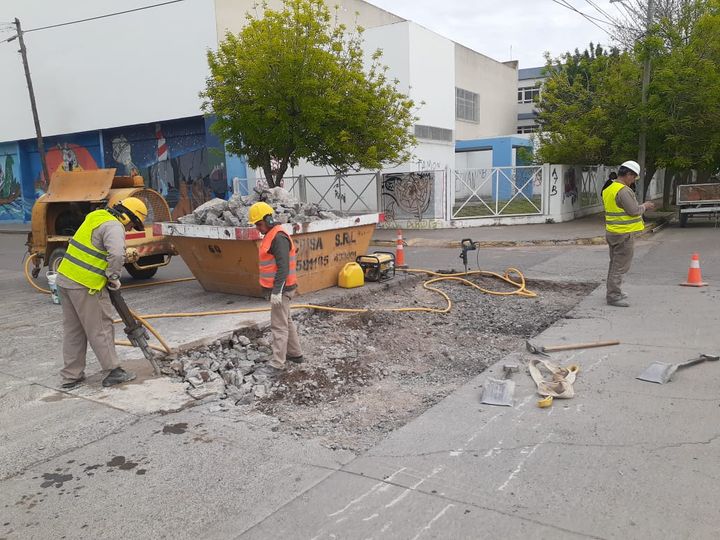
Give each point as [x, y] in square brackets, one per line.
[295, 359]
[269, 372]
[117, 376]
[623, 296]
[618, 303]
[68, 385]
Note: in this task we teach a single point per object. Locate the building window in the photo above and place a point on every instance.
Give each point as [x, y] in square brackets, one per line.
[527, 129]
[433, 133]
[528, 94]
[467, 105]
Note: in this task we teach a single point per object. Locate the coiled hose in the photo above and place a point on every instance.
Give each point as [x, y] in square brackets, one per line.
[435, 277]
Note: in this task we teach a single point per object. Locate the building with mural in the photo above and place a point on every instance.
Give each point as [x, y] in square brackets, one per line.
[133, 103]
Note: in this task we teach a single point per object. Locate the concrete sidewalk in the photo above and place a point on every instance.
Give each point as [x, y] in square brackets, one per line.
[589, 230]
[622, 459]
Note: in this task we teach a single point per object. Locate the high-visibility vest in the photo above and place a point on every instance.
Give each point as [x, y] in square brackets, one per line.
[617, 221]
[83, 262]
[268, 265]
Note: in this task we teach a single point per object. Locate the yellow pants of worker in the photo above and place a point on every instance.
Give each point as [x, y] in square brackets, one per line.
[87, 318]
[285, 337]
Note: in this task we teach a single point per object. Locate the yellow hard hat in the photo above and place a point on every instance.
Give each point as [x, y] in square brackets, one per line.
[132, 209]
[258, 211]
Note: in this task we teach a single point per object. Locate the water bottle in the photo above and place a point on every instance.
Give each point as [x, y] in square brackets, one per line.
[51, 278]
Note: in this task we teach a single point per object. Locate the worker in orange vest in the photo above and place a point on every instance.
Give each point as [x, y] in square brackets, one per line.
[277, 259]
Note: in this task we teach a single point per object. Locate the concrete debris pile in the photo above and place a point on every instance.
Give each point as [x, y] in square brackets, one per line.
[227, 370]
[234, 213]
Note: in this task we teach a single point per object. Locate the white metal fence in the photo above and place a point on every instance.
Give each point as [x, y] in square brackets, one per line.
[497, 191]
[345, 194]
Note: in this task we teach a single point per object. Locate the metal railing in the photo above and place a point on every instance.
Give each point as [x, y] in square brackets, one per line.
[345, 194]
[497, 191]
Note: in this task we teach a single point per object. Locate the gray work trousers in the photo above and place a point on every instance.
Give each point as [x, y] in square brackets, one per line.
[622, 247]
[86, 318]
[285, 337]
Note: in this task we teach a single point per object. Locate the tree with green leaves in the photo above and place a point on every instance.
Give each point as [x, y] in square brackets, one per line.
[591, 111]
[294, 84]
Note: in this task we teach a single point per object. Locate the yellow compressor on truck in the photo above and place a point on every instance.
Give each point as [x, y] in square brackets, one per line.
[72, 195]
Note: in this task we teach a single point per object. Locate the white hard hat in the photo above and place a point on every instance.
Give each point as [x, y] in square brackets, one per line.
[634, 166]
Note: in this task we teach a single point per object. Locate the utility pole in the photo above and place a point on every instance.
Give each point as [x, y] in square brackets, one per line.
[642, 143]
[33, 105]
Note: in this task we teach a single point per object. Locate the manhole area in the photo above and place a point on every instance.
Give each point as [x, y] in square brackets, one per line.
[366, 374]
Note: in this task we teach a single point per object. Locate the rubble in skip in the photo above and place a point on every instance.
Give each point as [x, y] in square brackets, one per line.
[234, 212]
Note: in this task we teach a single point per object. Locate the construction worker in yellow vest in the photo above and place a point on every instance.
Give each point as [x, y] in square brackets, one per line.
[623, 219]
[93, 261]
[277, 258]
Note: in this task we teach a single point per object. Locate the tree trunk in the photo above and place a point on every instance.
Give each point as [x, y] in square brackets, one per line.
[650, 172]
[668, 187]
[267, 170]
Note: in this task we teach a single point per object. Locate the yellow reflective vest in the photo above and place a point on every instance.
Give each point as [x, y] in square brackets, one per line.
[83, 262]
[617, 221]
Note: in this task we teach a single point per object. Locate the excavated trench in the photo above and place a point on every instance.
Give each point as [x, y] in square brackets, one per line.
[366, 374]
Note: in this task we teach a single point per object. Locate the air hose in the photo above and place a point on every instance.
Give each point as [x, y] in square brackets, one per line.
[435, 277]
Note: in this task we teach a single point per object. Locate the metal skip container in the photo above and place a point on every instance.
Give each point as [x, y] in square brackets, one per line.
[225, 259]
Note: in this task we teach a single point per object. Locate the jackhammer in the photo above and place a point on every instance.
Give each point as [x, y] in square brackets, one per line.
[136, 332]
[467, 245]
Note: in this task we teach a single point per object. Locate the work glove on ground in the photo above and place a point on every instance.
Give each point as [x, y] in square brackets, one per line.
[113, 284]
[276, 299]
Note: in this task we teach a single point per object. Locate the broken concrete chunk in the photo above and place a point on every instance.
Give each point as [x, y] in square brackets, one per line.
[214, 388]
[243, 340]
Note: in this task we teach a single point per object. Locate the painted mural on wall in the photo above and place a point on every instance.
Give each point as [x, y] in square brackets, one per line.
[407, 195]
[79, 151]
[172, 157]
[11, 200]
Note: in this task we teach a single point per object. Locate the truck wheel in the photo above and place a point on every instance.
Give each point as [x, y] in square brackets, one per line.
[55, 259]
[683, 219]
[140, 274]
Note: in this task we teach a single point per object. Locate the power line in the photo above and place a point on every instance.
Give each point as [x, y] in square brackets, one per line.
[604, 13]
[590, 18]
[102, 16]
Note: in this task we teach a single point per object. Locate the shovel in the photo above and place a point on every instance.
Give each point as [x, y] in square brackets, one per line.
[500, 391]
[660, 372]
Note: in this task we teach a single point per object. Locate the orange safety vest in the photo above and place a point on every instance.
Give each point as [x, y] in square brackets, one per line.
[268, 266]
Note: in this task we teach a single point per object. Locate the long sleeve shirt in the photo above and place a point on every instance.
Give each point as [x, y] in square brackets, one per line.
[626, 200]
[110, 237]
[280, 249]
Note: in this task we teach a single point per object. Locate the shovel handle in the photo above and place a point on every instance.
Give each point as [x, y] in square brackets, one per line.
[571, 346]
[699, 360]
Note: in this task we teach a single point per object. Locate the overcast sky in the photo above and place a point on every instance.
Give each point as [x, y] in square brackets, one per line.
[493, 27]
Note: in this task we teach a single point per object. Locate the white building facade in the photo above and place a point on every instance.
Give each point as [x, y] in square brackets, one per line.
[123, 92]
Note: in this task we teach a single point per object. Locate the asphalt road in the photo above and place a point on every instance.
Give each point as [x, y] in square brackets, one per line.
[622, 459]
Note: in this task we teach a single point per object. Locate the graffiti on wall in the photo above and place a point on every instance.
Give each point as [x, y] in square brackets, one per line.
[570, 189]
[173, 158]
[11, 201]
[407, 195]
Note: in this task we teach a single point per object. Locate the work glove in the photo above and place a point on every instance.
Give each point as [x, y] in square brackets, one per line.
[113, 284]
[276, 299]
[131, 255]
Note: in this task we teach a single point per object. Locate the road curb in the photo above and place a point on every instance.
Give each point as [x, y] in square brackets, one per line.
[587, 241]
[10, 231]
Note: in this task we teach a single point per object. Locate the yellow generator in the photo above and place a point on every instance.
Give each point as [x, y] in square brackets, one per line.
[74, 194]
[378, 266]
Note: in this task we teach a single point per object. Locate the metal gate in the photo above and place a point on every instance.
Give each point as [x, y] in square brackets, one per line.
[497, 191]
[344, 194]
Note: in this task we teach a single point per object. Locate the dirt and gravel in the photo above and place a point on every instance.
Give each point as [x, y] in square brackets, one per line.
[366, 374]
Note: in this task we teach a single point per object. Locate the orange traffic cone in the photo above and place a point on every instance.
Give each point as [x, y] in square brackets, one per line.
[400, 251]
[694, 278]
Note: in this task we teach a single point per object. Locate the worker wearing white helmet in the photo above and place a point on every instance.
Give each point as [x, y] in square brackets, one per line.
[623, 219]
